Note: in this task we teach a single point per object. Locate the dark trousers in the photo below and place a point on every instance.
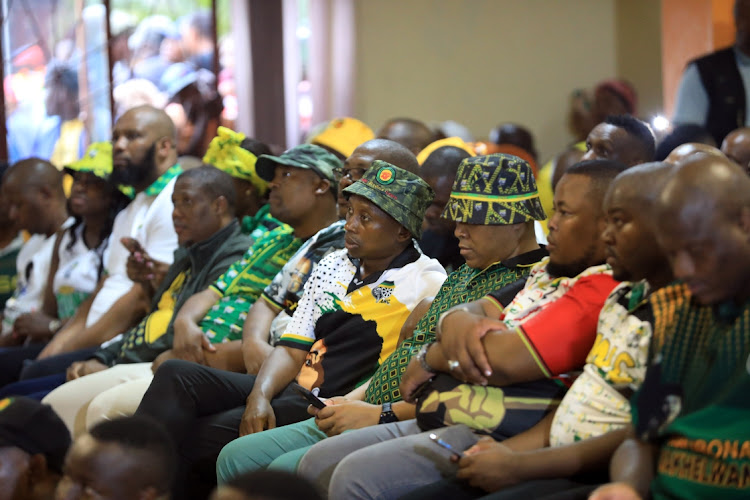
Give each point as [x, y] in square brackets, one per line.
[54, 365]
[12, 360]
[202, 409]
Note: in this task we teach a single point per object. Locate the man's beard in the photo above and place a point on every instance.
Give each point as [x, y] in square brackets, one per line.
[573, 269]
[134, 174]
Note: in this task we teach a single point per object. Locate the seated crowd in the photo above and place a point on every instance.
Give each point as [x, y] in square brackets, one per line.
[382, 315]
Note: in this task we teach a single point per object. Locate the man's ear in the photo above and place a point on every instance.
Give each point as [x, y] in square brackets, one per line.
[403, 234]
[220, 206]
[149, 493]
[164, 146]
[38, 469]
[745, 220]
[323, 186]
[44, 192]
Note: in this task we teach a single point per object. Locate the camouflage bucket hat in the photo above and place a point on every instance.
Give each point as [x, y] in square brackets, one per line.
[401, 194]
[497, 189]
[308, 156]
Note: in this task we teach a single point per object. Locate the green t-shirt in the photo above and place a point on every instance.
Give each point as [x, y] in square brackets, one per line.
[705, 439]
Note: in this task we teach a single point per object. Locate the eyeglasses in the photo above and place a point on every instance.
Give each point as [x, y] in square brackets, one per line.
[353, 174]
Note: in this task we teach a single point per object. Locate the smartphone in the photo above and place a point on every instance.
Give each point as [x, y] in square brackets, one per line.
[310, 397]
[436, 439]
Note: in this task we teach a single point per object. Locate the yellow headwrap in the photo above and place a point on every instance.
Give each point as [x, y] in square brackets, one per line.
[225, 153]
[456, 142]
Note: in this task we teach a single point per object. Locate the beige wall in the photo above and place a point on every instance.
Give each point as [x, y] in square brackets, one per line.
[638, 51]
[482, 62]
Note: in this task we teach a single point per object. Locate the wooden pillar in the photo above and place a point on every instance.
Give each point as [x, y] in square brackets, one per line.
[267, 51]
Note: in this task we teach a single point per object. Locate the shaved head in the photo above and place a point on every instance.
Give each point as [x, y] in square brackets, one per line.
[155, 120]
[33, 191]
[691, 151]
[391, 152]
[630, 232]
[736, 147]
[703, 218]
[35, 173]
[412, 134]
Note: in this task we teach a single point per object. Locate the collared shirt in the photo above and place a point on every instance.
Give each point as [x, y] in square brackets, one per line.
[462, 286]
[556, 317]
[245, 280]
[285, 291]
[617, 362]
[32, 265]
[350, 325]
[148, 219]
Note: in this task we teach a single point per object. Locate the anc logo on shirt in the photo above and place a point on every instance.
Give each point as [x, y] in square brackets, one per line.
[386, 175]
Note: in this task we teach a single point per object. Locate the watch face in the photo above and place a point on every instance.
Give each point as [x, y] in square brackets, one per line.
[387, 418]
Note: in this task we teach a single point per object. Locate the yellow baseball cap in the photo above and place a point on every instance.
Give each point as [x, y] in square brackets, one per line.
[343, 135]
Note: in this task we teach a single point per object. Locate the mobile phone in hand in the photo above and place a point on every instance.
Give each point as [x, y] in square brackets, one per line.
[310, 397]
[438, 441]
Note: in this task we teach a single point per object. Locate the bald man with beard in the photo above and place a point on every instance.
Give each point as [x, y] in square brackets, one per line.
[692, 407]
[143, 241]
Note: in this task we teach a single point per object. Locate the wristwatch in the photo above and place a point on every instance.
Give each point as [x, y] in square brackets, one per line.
[387, 415]
[421, 358]
[54, 325]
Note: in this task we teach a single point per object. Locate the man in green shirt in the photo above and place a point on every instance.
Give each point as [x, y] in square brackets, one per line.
[690, 415]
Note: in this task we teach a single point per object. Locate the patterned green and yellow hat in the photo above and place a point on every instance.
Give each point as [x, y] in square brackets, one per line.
[401, 194]
[97, 160]
[308, 156]
[226, 153]
[497, 189]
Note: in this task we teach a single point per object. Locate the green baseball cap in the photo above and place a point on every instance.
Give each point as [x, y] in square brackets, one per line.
[308, 156]
[497, 189]
[401, 194]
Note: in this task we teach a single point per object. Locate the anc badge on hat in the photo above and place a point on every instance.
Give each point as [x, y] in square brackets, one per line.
[401, 194]
[497, 189]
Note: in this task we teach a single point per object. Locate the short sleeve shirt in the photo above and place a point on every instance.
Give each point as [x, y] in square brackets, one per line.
[244, 281]
[285, 290]
[617, 361]
[148, 219]
[349, 328]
